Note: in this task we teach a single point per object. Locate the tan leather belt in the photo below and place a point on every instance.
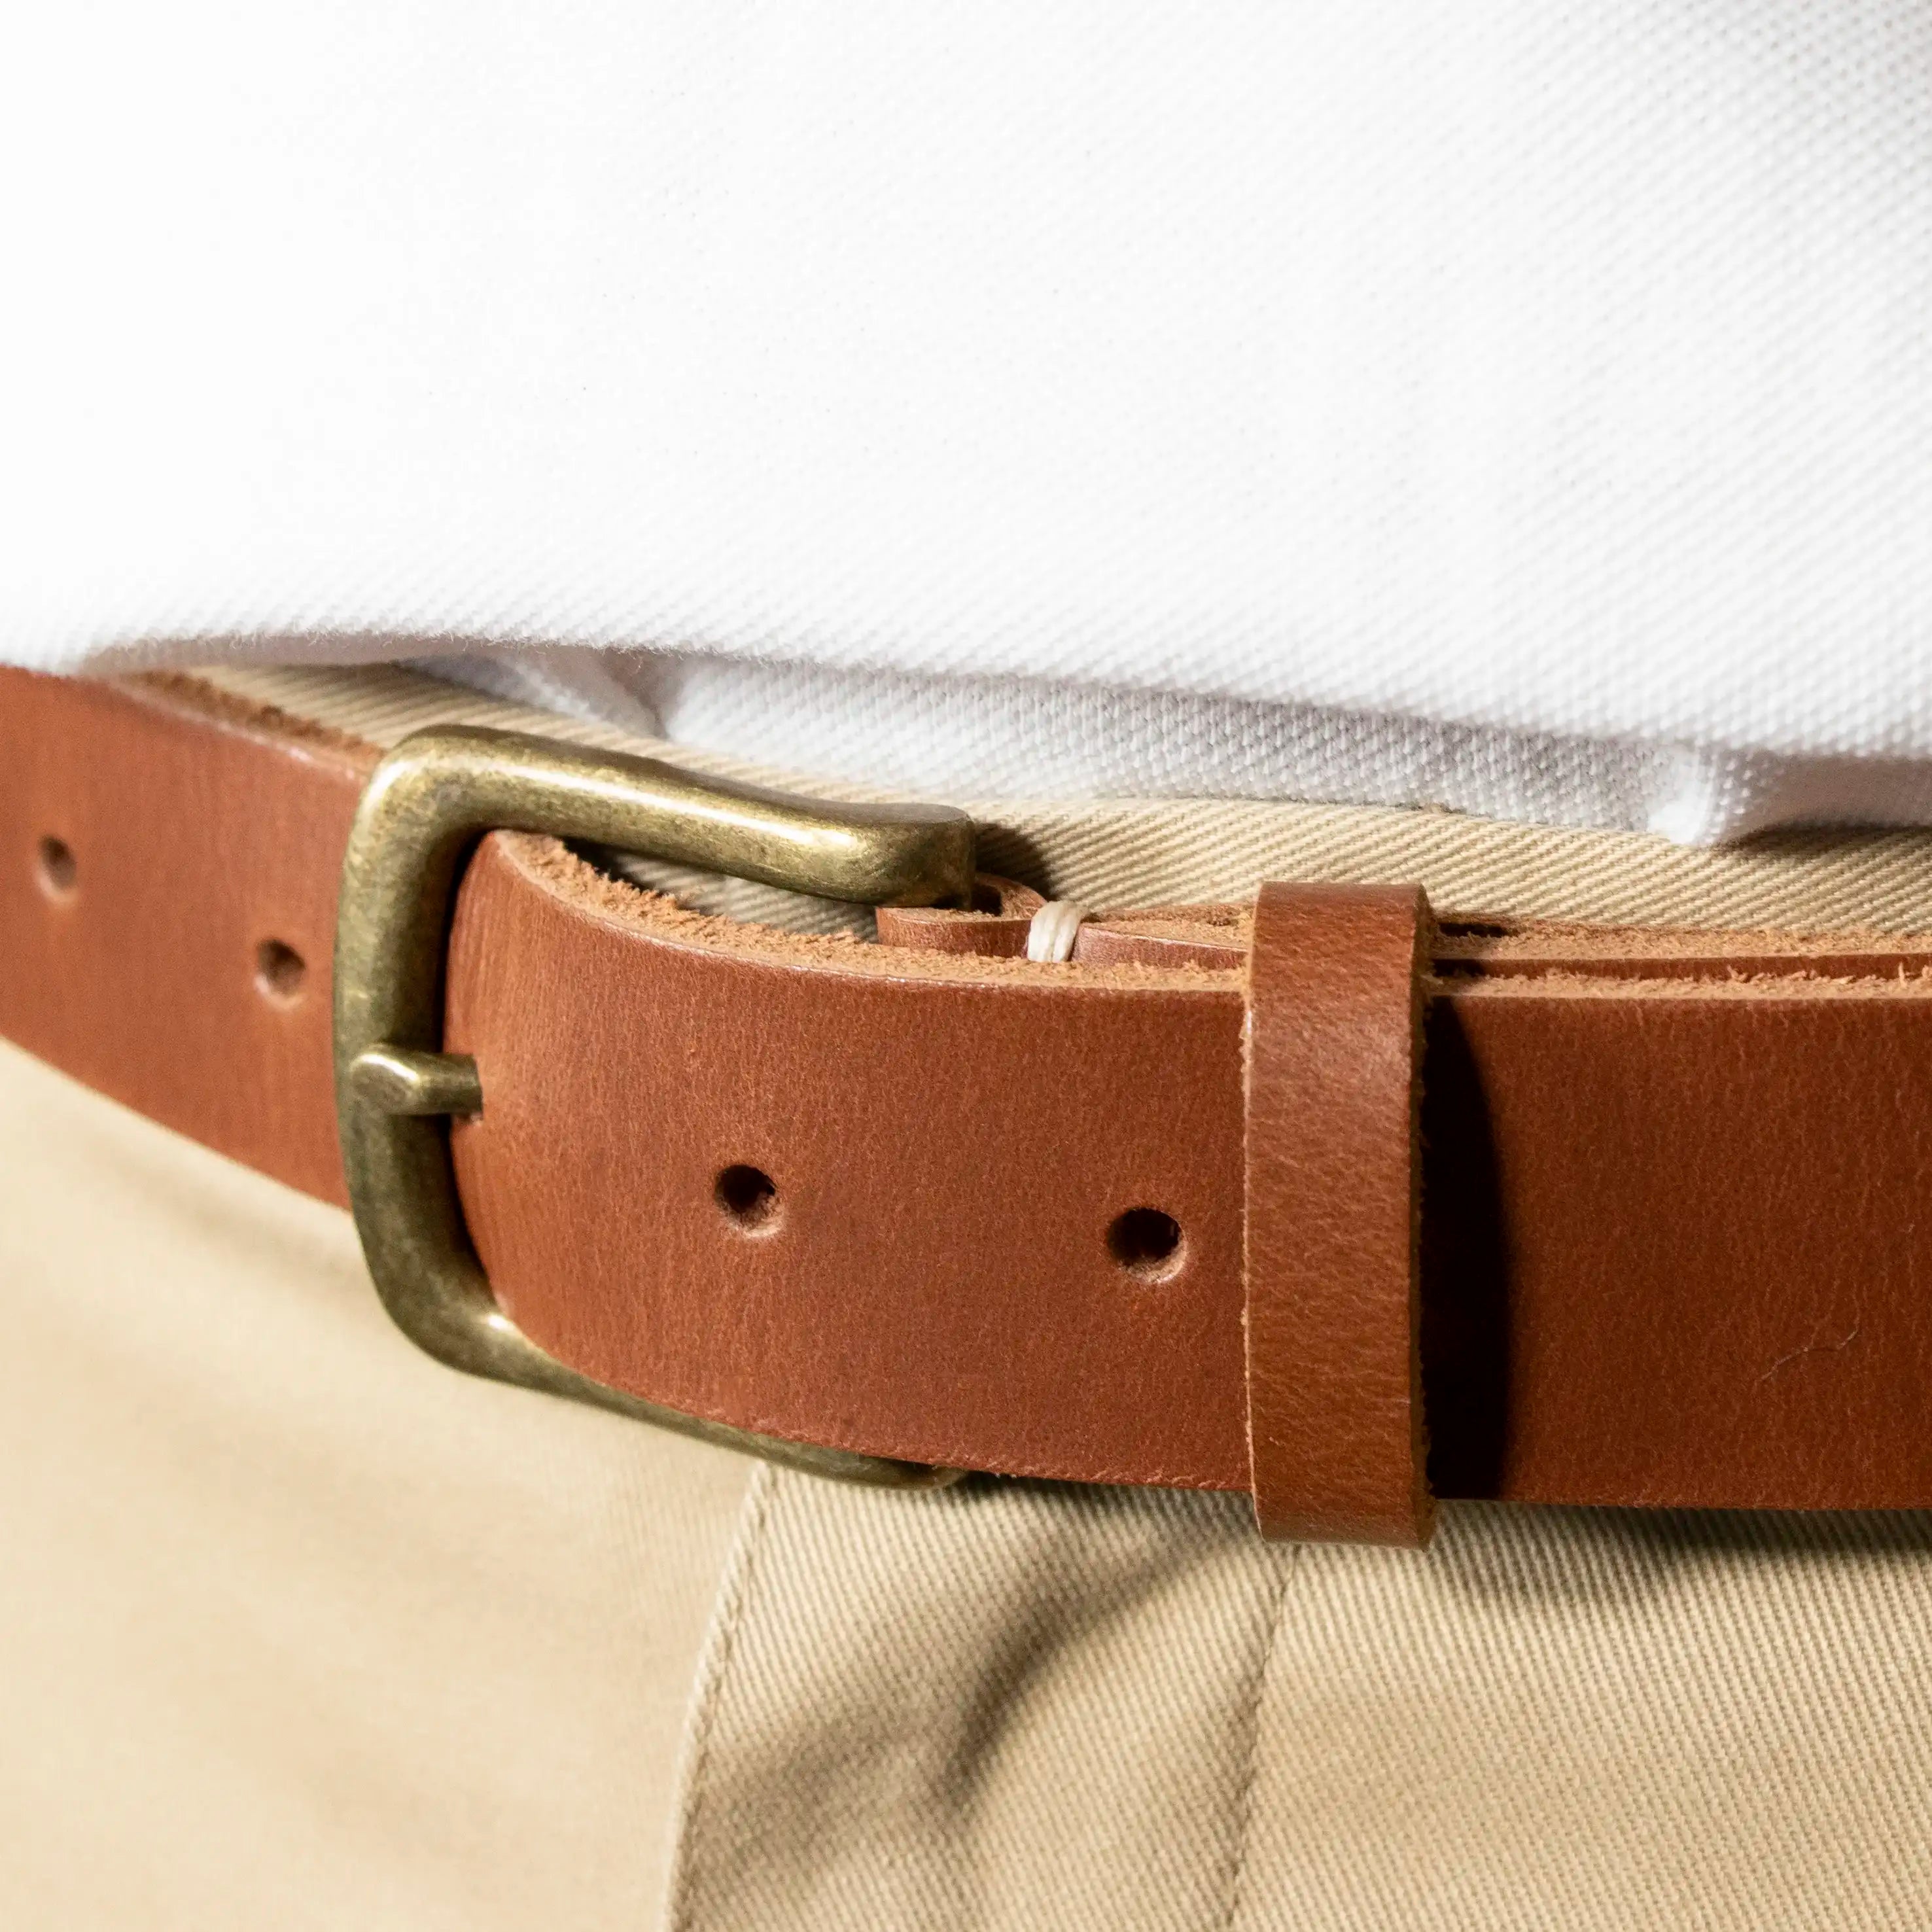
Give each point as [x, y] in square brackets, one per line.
[1234, 1200]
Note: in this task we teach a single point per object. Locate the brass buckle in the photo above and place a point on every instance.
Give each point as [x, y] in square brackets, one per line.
[430, 801]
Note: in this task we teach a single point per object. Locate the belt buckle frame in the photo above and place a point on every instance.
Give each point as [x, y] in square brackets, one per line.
[431, 800]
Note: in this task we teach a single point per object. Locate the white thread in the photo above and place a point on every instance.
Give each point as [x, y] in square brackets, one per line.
[1055, 926]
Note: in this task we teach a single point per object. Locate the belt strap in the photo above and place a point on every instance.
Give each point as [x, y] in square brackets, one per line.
[916, 1199]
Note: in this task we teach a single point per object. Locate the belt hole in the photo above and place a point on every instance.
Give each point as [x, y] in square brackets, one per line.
[1147, 1244]
[748, 1199]
[280, 971]
[59, 870]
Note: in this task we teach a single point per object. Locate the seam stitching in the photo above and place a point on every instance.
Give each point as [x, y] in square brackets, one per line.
[734, 1596]
[1251, 1777]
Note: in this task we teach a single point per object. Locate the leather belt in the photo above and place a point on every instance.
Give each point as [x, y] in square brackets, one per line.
[1239, 1197]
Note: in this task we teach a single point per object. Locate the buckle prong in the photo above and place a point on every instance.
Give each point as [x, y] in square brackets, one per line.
[430, 799]
[400, 1080]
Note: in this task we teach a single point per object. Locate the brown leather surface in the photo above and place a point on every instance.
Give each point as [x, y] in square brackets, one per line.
[949, 1148]
[196, 840]
[1335, 1442]
[1674, 1249]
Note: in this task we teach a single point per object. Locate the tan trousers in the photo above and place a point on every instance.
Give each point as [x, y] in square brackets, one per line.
[298, 1629]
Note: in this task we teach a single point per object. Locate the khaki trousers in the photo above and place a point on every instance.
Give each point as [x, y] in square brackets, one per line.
[298, 1629]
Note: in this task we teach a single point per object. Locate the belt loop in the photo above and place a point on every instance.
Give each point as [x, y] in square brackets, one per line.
[1336, 1444]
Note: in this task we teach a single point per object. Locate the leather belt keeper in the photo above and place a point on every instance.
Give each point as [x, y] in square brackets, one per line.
[1334, 1212]
[1150, 1217]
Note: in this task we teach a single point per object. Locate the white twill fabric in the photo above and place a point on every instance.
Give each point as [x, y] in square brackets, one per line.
[1013, 737]
[1369, 399]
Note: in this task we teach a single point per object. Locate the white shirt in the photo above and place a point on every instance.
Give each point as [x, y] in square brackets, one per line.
[1526, 408]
